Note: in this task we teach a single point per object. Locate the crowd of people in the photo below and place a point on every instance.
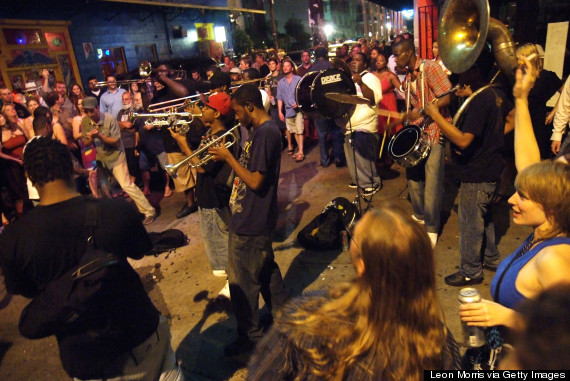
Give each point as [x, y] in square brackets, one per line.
[378, 326]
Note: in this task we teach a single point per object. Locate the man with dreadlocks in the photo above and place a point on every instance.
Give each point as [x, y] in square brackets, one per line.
[128, 336]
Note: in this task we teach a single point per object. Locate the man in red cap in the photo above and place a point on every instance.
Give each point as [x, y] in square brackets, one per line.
[213, 185]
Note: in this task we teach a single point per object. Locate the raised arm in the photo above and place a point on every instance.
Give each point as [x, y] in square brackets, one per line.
[526, 147]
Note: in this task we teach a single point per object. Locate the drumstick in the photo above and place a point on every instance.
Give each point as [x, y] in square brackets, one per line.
[384, 137]
[393, 114]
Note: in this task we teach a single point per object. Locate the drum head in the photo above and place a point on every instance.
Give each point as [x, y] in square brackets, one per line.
[303, 95]
[404, 141]
[332, 81]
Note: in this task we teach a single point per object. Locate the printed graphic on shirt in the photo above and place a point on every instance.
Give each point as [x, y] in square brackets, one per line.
[239, 188]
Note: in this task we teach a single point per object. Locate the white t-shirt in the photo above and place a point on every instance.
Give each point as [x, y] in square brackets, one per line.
[364, 117]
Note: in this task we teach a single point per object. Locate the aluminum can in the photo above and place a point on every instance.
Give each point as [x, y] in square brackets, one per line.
[344, 240]
[472, 336]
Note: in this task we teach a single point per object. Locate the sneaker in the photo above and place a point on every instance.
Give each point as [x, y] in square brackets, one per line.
[370, 191]
[225, 292]
[459, 280]
[149, 219]
[220, 273]
[421, 222]
[352, 185]
[433, 239]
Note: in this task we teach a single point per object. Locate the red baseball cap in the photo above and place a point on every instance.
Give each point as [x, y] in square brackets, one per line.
[220, 102]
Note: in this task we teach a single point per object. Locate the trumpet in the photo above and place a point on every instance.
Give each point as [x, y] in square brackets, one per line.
[201, 156]
[173, 120]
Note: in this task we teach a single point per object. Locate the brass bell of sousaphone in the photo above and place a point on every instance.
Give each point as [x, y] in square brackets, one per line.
[464, 27]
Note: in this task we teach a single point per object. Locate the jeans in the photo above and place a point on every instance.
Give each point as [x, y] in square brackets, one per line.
[360, 166]
[251, 270]
[476, 229]
[214, 227]
[325, 127]
[425, 184]
[121, 173]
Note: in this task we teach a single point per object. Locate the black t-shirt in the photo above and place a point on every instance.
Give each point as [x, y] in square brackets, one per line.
[255, 212]
[546, 85]
[485, 118]
[48, 242]
[210, 193]
[150, 141]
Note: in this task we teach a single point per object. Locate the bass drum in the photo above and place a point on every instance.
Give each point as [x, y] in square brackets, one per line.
[311, 90]
[409, 146]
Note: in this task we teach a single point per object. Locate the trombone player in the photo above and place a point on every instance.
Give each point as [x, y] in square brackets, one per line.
[186, 179]
[212, 188]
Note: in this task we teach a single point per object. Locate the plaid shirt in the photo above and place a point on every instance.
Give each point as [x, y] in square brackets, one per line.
[436, 83]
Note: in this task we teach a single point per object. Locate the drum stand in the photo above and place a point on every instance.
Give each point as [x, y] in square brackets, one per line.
[363, 203]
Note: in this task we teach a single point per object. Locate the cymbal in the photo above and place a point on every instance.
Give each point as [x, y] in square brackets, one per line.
[348, 98]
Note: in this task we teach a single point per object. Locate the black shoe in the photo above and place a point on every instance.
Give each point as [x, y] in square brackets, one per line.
[325, 165]
[339, 163]
[490, 266]
[186, 210]
[459, 280]
[238, 347]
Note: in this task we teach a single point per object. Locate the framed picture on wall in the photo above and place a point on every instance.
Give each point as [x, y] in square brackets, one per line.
[146, 53]
[65, 65]
[56, 42]
[29, 57]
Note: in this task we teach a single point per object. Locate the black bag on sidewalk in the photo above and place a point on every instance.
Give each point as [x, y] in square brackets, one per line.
[323, 232]
[77, 296]
[167, 240]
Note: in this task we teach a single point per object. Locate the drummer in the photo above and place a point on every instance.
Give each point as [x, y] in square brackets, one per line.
[328, 126]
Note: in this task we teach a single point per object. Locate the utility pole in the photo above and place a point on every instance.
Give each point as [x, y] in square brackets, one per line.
[273, 27]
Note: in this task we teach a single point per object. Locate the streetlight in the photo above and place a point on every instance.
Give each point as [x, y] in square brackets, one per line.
[329, 29]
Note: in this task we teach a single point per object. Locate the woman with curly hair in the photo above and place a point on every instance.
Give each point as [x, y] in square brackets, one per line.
[385, 325]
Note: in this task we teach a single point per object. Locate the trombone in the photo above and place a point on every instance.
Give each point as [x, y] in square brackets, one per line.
[201, 156]
[183, 102]
[145, 72]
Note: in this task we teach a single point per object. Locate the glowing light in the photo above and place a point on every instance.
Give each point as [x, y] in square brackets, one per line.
[408, 13]
[329, 29]
[220, 33]
[193, 36]
[388, 25]
[99, 53]
[107, 52]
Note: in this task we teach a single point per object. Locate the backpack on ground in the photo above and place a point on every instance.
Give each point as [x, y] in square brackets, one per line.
[167, 241]
[323, 232]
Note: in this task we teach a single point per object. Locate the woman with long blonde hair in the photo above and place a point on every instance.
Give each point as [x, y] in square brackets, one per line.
[385, 325]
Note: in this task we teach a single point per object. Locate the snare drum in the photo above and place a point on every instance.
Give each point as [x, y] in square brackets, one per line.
[409, 146]
[311, 90]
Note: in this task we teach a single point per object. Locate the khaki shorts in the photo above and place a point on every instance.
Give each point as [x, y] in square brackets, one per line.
[296, 124]
[186, 178]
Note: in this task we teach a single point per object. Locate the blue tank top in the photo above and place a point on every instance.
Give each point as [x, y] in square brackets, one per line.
[509, 295]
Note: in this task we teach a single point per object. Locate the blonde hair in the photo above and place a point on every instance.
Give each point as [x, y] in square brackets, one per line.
[528, 49]
[388, 322]
[548, 184]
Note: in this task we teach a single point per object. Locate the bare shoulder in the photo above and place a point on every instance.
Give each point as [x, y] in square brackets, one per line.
[553, 264]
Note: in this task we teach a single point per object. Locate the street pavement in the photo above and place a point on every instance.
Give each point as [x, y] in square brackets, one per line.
[182, 286]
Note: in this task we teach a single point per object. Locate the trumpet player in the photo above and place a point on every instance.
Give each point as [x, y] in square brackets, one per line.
[212, 189]
[101, 129]
[253, 203]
